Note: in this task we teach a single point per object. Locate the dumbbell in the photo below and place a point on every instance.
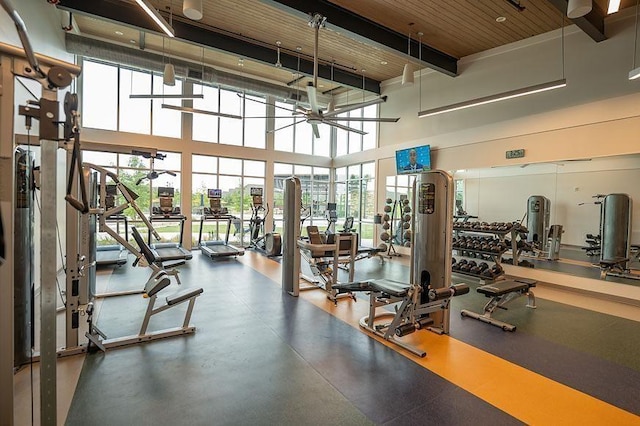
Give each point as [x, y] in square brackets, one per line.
[483, 266]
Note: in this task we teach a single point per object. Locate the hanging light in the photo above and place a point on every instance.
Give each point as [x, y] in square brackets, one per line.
[578, 8]
[278, 64]
[169, 72]
[407, 72]
[169, 75]
[192, 9]
[635, 72]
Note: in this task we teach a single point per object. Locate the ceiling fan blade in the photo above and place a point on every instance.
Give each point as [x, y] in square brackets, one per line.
[347, 128]
[313, 98]
[262, 102]
[200, 111]
[356, 106]
[284, 127]
[364, 119]
[316, 131]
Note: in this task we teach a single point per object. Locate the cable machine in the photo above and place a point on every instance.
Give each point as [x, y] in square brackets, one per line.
[16, 215]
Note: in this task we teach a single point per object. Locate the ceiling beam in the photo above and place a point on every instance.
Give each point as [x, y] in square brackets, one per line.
[131, 15]
[368, 32]
[592, 23]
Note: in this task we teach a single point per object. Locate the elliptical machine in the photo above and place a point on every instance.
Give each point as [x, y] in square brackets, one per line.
[269, 243]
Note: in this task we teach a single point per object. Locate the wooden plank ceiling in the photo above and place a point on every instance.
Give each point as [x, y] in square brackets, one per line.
[455, 27]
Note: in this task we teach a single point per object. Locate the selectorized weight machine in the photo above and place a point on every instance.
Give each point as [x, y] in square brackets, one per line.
[269, 243]
[216, 213]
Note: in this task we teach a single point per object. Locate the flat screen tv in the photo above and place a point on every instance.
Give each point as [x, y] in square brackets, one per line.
[165, 191]
[413, 160]
[214, 193]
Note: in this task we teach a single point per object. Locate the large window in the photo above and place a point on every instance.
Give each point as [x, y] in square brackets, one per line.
[350, 142]
[99, 100]
[355, 197]
[250, 131]
[315, 193]
[133, 171]
[109, 109]
[294, 134]
[234, 177]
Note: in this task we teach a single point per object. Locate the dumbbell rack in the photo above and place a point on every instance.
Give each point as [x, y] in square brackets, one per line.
[476, 229]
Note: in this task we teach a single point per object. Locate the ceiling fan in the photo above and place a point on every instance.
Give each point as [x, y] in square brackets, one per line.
[331, 116]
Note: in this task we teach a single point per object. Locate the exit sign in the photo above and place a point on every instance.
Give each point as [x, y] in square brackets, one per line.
[515, 153]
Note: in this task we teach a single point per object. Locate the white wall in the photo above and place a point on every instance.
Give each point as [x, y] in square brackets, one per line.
[595, 115]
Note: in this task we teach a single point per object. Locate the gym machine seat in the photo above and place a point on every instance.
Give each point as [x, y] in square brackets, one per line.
[152, 259]
[501, 293]
[158, 281]
[417, 302]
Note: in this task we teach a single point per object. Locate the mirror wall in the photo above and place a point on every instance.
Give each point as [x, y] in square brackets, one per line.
[500, 195]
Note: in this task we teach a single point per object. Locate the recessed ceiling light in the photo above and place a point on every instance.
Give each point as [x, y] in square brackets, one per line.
[383, 62]
[320, 85]
[132, 41]
[501, 19]
[119, 33]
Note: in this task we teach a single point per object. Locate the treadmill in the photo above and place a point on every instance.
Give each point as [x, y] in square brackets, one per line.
[113, 254]
[169, 251]
[216, 213]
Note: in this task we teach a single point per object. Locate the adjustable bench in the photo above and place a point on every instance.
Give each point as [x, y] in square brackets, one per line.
[617, 267]
[150, 256]
[501, 293]
[417, 303]
[158, 281]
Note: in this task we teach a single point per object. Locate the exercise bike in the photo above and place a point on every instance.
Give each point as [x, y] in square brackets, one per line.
[269, 243]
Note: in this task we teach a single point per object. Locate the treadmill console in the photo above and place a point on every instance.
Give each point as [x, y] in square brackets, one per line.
[256, 196]
[215, 206]
[166, 193]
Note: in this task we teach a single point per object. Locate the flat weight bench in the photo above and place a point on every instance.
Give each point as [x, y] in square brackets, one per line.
[501, 293]
[413, 314]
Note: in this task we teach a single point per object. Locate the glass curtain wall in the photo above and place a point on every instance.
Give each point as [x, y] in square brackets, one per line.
[132, 171]
[234, 177]
[315, 194]
[355, 197]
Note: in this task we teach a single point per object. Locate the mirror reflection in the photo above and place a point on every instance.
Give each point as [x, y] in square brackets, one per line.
[590, 201]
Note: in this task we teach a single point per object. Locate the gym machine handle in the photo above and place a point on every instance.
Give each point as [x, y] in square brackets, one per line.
[24, 37]
[82, 205]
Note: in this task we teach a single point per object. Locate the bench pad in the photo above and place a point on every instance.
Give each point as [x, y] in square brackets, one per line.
[183, 295]
[391, 287]
[504, 287]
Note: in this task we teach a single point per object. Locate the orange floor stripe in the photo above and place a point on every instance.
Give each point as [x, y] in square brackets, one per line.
[528, 396]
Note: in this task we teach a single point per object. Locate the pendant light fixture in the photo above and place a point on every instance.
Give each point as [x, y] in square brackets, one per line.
[635, 71]
[278, 64]
[169, 73]
[407, 72]
[192, 9]
[578, 8]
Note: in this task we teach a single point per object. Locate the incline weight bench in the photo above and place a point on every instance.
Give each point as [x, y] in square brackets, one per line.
[156, 264]
[158, 281]
[417, 302]
[501, 293]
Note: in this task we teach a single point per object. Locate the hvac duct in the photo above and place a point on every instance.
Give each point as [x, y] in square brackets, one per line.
[141, 59]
